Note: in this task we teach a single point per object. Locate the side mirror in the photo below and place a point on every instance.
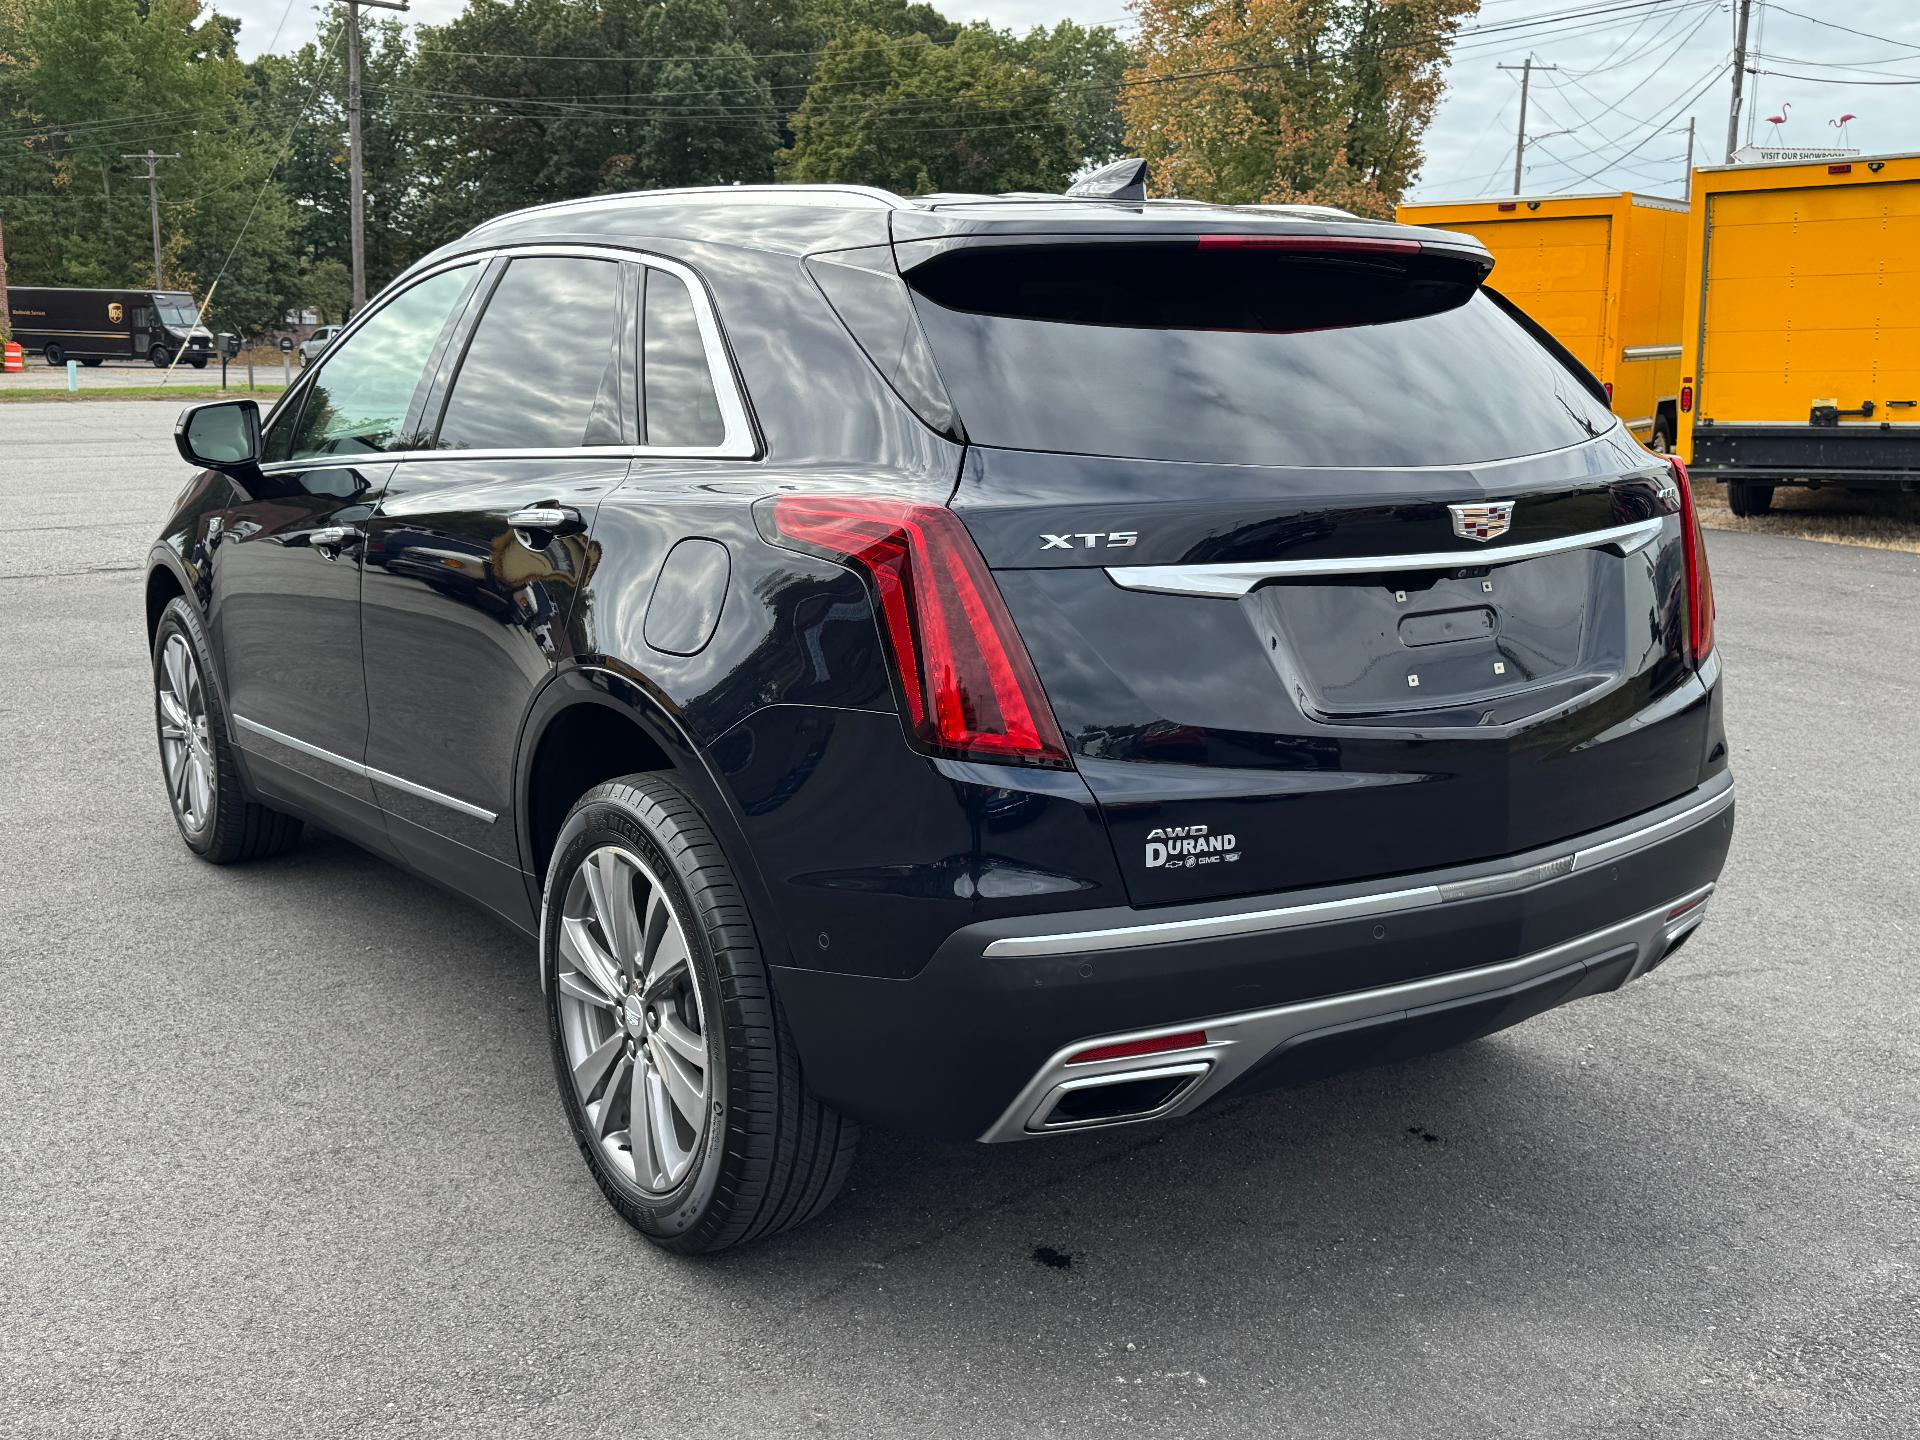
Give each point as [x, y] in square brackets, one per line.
[223, 435]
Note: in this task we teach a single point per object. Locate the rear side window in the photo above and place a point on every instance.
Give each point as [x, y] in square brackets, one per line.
[682, 410]
[542, 371]
[1238, 354]
[361, 396]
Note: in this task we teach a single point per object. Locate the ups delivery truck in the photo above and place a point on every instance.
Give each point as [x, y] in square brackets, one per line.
[95, 325]
[1802, 362]
[1603, 274]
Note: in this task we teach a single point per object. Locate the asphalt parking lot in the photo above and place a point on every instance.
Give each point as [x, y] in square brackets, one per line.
[280, 1151]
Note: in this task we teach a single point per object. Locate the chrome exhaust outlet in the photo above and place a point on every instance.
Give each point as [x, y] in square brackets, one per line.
[1115, 1097]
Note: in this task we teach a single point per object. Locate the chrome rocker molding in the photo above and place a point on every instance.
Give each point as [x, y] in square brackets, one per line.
[1358, 907]
[1233, 580]
[366, 772]
[1237, 1043]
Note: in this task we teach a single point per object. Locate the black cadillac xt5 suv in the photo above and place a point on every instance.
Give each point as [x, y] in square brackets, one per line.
[993, 666]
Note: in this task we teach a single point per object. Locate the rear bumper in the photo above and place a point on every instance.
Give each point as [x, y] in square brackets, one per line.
[1855, 453]
[978, 1044]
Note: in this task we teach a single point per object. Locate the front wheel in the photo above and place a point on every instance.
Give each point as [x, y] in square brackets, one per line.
[1749, 497]
[160, 355]
[216, 819]
[680, 1082]
[199, 362]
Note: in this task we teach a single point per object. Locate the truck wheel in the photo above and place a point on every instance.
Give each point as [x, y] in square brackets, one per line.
[680, 1080]
[1749, 497]
[91, 363]
[199, 362]
[56, 357]
[159, 355]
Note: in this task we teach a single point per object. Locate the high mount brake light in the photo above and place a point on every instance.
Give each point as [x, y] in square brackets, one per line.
[1313, 244]
[967, 684]
[1700, 607]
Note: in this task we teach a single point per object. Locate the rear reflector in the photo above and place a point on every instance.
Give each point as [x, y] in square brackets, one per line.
[1839, 169]
[1686, 907]
[1700, 607]
[967, 685]
[1608, 387]
[1506, 205]
[1686, 399]
[1334, 244]
[1128, 1049]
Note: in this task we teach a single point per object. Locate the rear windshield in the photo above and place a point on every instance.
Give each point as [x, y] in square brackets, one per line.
[1241, 356]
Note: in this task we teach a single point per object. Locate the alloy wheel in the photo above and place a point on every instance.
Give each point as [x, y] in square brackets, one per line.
[632, 1021]
[186, 749]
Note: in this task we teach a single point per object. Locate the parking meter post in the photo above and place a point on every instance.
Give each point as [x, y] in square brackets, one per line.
[249, 367]
[73, 374]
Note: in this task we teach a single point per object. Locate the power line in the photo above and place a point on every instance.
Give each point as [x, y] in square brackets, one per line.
[1829, 79]
[1835, 25]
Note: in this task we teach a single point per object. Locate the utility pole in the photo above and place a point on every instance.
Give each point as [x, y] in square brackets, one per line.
[1520, 143]
[1739, 76]
[1686, 175]
[6, 315]
[356, 189]
[153, 205]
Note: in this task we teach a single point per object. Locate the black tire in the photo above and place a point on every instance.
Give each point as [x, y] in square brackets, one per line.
[771, 1156]
[56, 357]
[1748, 498]
[240, 828]
[91, 363]
[160, 356]
[199, 362]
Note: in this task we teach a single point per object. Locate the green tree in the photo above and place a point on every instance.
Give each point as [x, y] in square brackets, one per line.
[89, 80]
[916, 116]
[502, 122]
[1285, 100]
[1085, 66]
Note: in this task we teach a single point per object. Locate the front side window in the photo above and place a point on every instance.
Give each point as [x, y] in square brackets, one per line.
[361, 395]
[682, 409]
[542, 371]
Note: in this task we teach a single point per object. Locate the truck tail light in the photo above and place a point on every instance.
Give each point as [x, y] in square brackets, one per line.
[967, 686]
[1686, 399]
[1700, 607]
[1607, 385]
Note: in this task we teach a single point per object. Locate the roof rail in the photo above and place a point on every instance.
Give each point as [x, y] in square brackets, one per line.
[865, 197]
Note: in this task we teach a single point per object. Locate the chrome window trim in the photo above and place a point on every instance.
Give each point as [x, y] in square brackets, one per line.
[1234, 580]
[366, 772]
[1364, 906]
[740, 442]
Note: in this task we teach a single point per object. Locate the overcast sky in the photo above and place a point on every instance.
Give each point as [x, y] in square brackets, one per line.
[1624, 80]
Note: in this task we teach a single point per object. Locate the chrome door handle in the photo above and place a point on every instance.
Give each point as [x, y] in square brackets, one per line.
[537, 525]
[331, 540]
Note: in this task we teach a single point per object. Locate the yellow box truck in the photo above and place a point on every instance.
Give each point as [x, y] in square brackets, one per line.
[1802, 360]
[1603, 275]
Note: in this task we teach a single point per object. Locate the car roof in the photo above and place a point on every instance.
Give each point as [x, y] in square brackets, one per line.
[801, 219]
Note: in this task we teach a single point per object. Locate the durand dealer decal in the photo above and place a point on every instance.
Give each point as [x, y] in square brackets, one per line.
[1189, 845]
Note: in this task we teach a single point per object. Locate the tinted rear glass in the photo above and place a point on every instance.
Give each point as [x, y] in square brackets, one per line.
[1251, 357]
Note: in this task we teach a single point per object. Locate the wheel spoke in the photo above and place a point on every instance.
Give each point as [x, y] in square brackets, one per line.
[585, 992]
[619, 920]
[669, 965]
[591, 1072]
[648, 1163]
[671, 1158]
[172, 713]
[180, 780]
[682, 1041]
[202, 787]
[659, 922]
[583, 952]
[686, 1084]
[603, 1124]
[174, 657]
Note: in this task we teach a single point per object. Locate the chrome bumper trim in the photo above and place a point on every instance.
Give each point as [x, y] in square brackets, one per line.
[1236, 1043]
[1359, 907]
[366, 772]
[1233, 580]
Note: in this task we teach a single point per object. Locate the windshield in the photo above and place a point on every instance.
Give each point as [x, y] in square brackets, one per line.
[1242, 356]
[175, 310]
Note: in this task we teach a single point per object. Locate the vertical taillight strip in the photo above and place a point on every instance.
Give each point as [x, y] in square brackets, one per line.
[967, 685]
[1700, 607]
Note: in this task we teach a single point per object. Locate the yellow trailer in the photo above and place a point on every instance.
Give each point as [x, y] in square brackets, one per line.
[1603, 275]
[1802, 361]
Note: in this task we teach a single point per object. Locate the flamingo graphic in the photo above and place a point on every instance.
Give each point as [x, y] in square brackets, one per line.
[1841, 125]
[1776, 121]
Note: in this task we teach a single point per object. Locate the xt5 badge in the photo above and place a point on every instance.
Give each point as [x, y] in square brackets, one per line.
[1186, 846]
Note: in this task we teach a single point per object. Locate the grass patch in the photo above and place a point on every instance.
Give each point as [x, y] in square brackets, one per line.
[16, 393]
[1882, 520]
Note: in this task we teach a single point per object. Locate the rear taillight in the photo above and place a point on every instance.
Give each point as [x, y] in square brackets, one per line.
[966, 683]
[1130, 1049]
[1699, 578]
[1686, 398]
[1608, 387]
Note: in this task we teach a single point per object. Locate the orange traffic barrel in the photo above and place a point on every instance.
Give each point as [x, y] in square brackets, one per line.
[16, 360]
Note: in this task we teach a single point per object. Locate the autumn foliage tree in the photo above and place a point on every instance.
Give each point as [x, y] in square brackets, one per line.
[1244, 101]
